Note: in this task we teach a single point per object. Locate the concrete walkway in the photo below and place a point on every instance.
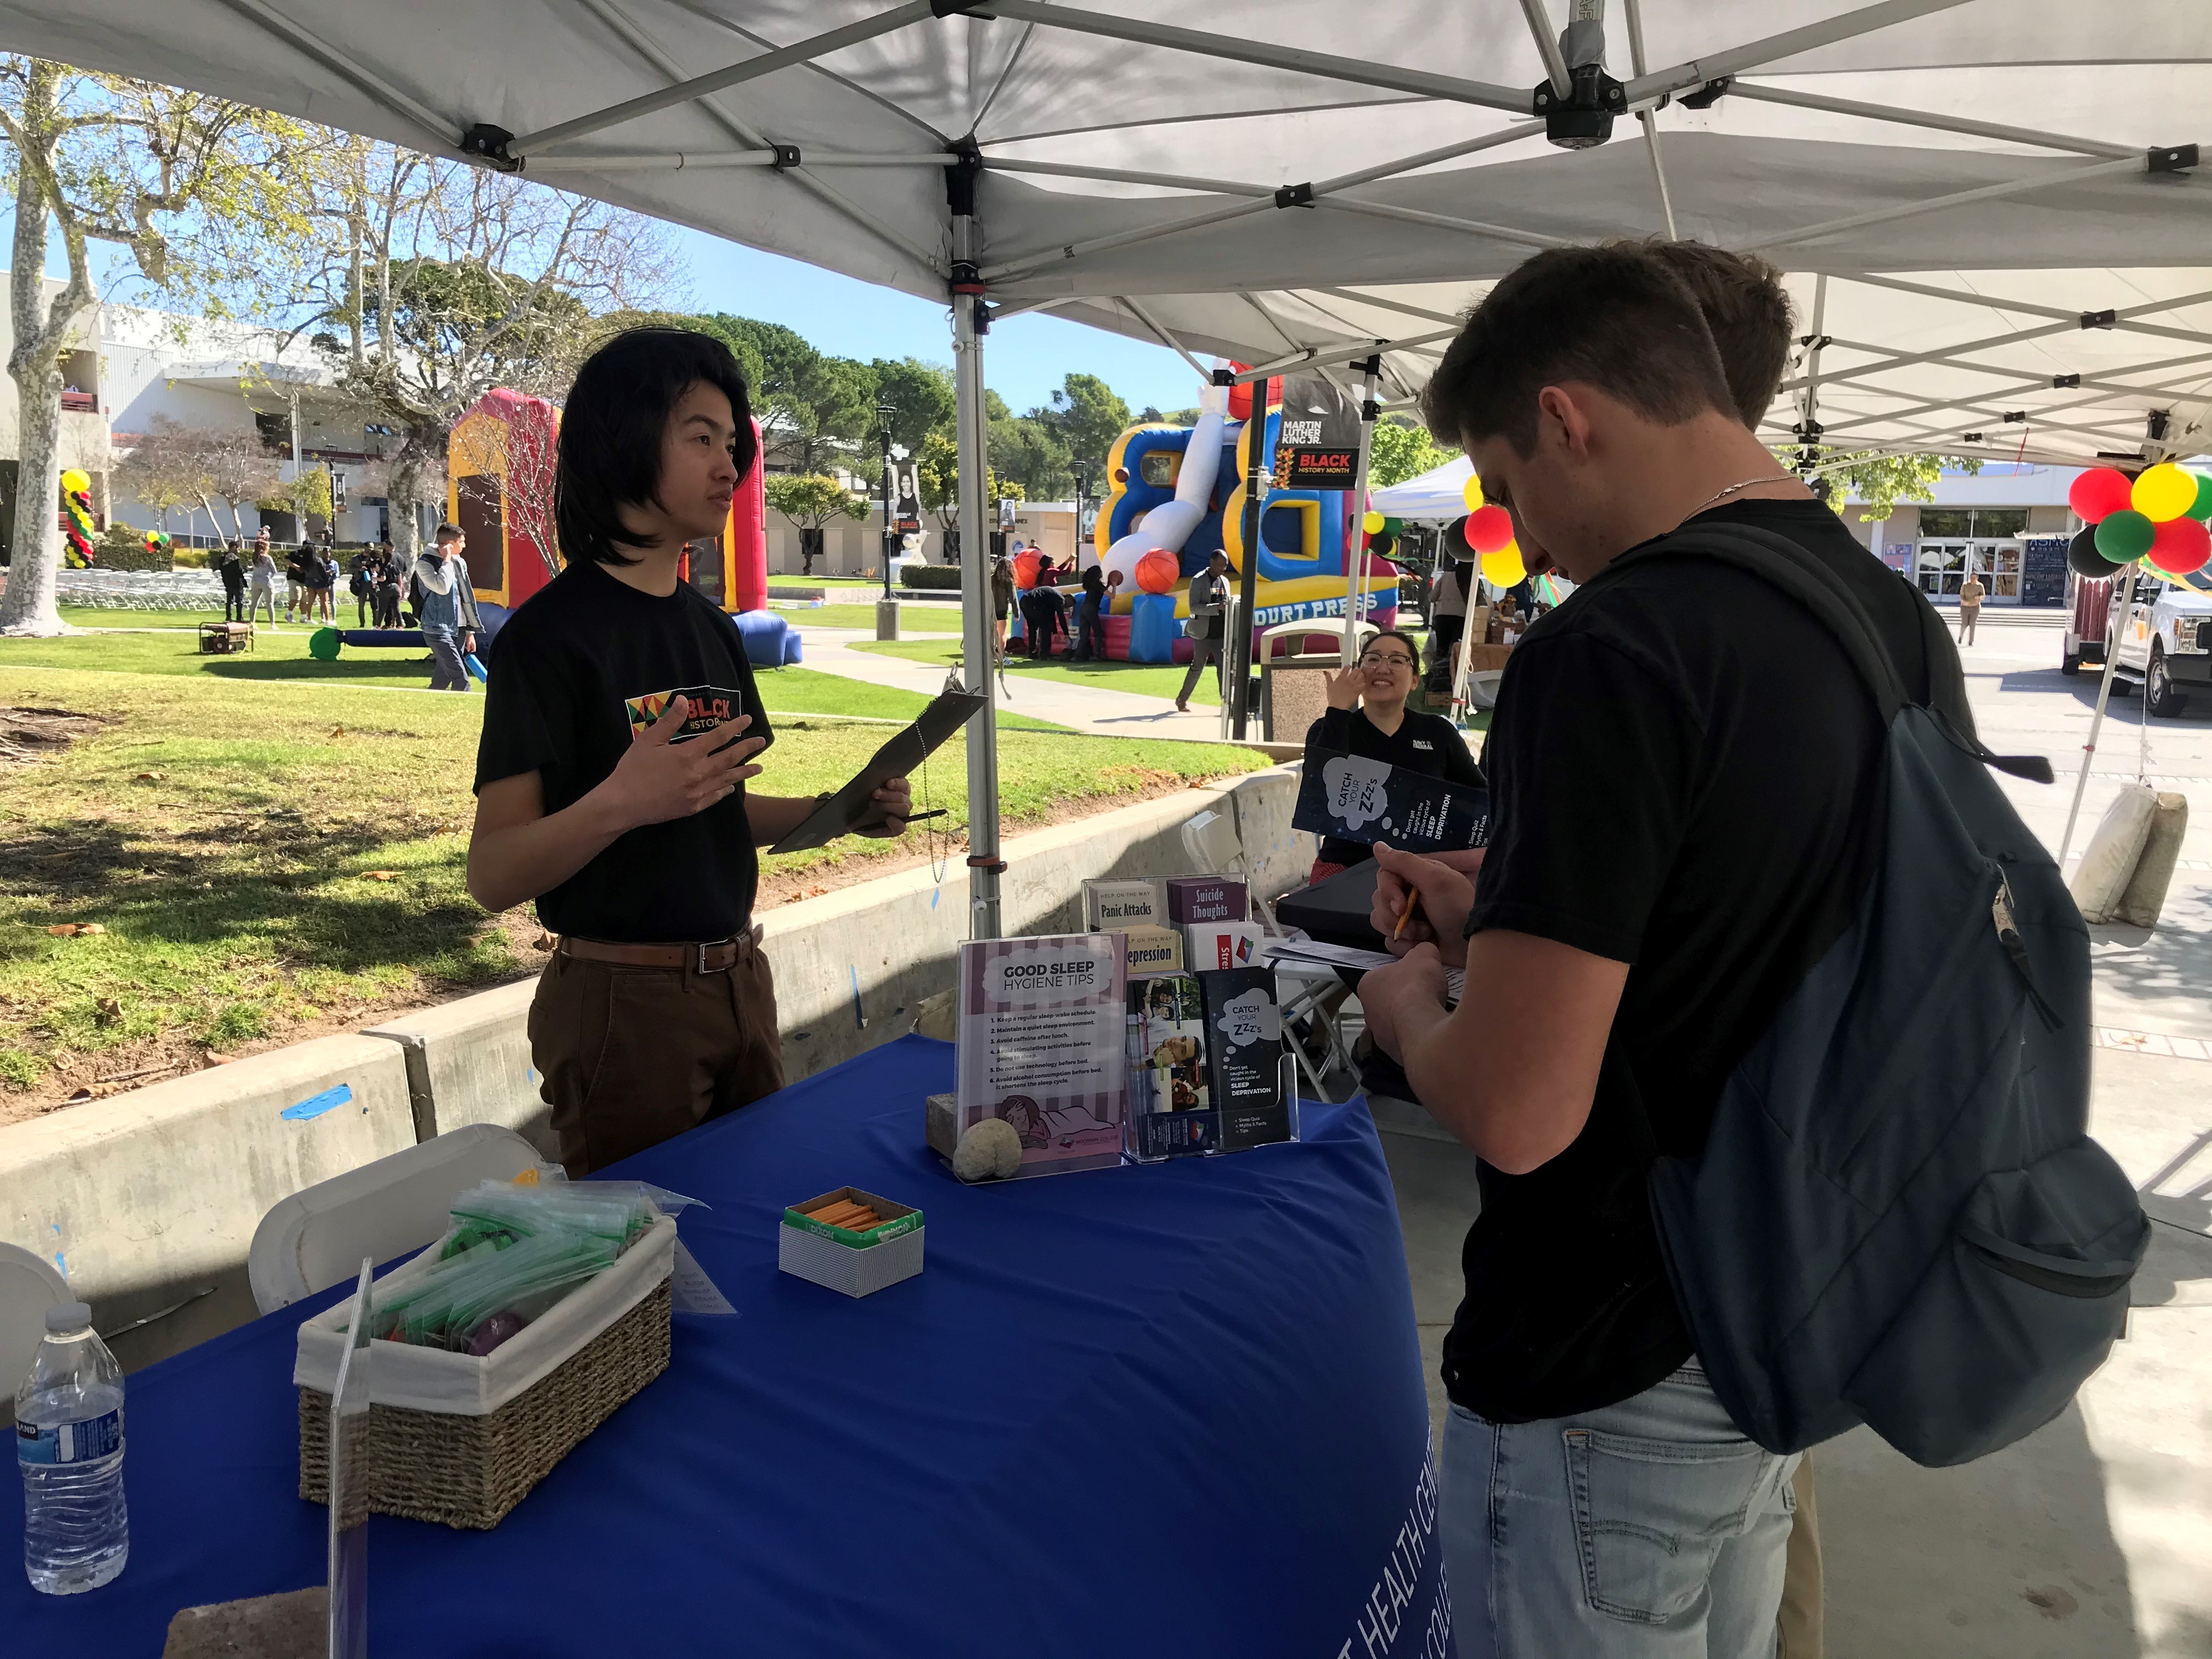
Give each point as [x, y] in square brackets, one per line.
[1081, 708]
[2092, 1536]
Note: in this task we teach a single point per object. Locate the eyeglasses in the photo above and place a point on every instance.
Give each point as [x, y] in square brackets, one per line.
[1393, 660]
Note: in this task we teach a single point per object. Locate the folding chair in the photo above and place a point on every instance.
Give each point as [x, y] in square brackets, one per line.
[317, 1238]
[28, 1286]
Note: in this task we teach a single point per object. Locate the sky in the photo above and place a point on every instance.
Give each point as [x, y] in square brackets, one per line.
[1025, 358]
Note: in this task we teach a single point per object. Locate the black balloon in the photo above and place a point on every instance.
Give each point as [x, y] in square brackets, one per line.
[1380, 543]
[1455, 539]
[2083, 559]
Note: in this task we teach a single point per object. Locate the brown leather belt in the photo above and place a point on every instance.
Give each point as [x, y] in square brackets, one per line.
[708, 957]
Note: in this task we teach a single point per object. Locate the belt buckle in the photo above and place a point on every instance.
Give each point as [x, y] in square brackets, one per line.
[702, 949]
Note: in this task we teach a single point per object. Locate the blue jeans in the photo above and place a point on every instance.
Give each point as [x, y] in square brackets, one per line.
[447, 672]
[1651, 1528]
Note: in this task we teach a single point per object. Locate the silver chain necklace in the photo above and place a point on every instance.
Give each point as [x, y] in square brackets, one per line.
[1771, 477]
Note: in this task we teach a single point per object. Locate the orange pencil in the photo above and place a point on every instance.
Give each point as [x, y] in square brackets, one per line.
[1406, 914]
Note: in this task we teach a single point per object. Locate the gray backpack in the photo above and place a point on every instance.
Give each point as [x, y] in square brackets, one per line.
[1899, 1217]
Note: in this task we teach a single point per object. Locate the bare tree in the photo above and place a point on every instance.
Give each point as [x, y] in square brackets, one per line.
[164, 468]
[159, 171]
[440, 282]
[518, 451]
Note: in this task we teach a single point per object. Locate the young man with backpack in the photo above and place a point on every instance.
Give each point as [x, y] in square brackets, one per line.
[1689, 923]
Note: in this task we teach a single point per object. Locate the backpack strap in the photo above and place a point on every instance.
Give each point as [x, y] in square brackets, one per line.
[1781, 563]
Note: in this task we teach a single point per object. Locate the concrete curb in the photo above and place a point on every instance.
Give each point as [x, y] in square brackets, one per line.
[148, 1200]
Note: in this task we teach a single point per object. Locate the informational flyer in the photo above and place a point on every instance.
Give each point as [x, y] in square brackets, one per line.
[1042, 1043]
[1355, 798]
[1244, 1046]
[1170, 1093]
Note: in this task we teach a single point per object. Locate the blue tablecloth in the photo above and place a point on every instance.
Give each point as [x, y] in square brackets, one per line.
[1145, 1413]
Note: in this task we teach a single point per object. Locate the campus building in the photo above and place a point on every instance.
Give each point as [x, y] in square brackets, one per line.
[2009, 524]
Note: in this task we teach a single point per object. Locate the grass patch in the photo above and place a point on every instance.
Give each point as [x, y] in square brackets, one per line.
[1144, 679]
[263, 858]
[913, 618]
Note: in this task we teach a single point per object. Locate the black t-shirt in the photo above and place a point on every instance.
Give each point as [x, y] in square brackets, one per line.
[1684, 777]
[1427, 744]
[582, 660]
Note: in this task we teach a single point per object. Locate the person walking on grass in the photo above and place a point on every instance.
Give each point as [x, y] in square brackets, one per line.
[295, 583]
[387, 586]
[232, 571]
[1002, 601]
[1203, 629]
[1970, 607]
[364, 568]
[261, 581]
[447, 607]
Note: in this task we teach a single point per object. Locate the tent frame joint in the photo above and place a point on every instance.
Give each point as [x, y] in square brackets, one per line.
[1582, 117]
[487, 143]
[2171, 158]
[1710, 94]
[1290, 196]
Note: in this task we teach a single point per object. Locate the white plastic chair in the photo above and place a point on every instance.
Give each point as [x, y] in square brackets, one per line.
[28, 1286]
[317, 1238]
[1210, 840]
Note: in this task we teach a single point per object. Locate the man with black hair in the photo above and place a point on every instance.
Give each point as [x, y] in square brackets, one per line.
[621, 724]
[445, 606]
[1682, 764]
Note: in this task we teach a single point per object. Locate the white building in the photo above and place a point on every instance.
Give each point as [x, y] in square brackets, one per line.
[2009, 524]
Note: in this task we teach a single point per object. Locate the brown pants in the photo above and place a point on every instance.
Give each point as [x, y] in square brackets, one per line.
[1802, 1598]
[631, 1057]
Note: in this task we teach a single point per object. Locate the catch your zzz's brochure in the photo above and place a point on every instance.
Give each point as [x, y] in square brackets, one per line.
[1355, 798]
[1042, 1043]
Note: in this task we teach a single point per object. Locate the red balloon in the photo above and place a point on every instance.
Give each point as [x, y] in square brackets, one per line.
[1026, 568]
[2098, 493]
[2180, 546]
[1159, 570]
[1489, 528]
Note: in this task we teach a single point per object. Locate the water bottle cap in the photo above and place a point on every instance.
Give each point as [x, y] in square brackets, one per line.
[66, 1317]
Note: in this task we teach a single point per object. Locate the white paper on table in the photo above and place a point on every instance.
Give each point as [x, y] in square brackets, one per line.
[691, 1291]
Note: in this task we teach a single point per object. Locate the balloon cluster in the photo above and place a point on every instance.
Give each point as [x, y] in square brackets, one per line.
[1488, 531]
[2159, 517]
[77, 497]
[156, 540]
[1379, 532]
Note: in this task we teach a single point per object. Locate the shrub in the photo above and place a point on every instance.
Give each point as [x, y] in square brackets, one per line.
[933, 576]
[122, 548]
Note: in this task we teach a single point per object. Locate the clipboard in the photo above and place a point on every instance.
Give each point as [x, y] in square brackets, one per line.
[851, 806]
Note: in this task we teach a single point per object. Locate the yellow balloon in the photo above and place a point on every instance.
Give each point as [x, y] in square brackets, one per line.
[1473, 494]
[75, 482]
[1504, 567]
[2163, 492]
[1372, 523]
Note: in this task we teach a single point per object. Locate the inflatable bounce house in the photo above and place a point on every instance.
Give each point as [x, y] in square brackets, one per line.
[500, 492]
[1177, 496]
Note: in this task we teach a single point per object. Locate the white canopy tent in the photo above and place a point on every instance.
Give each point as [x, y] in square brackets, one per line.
[1990, 209]
[1439, 493]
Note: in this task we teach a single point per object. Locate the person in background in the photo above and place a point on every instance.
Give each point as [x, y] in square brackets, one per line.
[621, 724]
[363, 570]
[1002, 601]
[323, 574]
[447, 606]
[387, 586]
[1203, 629]
[231, 569]
[1367, 716]
[1970, 606]
[261, 581]
[296, 582]
[1046, 616]
[1448, 613]
[1090, 641]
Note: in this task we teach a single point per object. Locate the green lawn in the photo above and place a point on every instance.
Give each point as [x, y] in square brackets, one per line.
[913, 618]
[224, 834]
[1144, 679]
[170, 645]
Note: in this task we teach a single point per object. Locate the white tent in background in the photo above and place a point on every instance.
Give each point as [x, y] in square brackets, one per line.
[1440, 493]
[1990, 209]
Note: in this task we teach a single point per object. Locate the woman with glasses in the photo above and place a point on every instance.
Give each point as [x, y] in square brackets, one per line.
[1367, 716]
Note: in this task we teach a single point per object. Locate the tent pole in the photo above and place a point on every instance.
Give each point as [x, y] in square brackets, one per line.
[1166, 338]
[1935, 123]
[1355, 552]
[438, 129]
[1808, 430]
[1775, 47]
[1247, 573]
[1957, 198]
[1634, 11]
[976, 646]
[2113, 622]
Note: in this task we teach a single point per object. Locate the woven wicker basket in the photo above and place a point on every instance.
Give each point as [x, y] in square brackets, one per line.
[471, 1471]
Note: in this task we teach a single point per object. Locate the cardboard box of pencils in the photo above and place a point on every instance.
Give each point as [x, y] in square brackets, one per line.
[851, 1240]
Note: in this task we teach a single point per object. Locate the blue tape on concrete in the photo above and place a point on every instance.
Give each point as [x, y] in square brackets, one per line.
[316, 1105]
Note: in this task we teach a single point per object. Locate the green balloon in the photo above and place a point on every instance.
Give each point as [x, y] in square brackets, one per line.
[2201, 507]
[323, 645]
[2125, 535]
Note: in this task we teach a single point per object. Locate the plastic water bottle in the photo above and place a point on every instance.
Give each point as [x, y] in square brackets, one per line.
[69, 1441]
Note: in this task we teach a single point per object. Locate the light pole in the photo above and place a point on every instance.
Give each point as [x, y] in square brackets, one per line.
[1082, 470]
[887, 607]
